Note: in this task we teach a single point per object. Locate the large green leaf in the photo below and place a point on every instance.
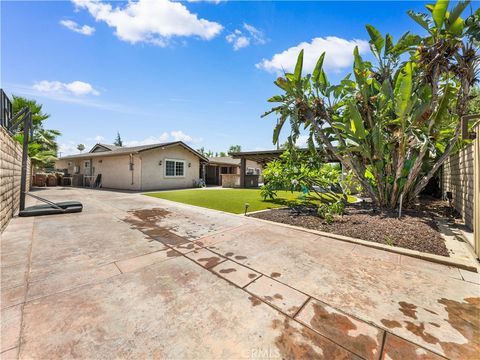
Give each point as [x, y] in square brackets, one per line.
[318, 69]
[376, 39]
[356, 121]
[455, 22]
[299, 66]
[278, 128]
[420, 19]
[406, 42]
[443, 106]
[388, 43]
[439, 12]
[403, 90]
[282, 83]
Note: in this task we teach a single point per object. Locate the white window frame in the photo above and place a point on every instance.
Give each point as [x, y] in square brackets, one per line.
[175, 161]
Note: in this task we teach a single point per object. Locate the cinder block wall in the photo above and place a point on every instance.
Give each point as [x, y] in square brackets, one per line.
[458, 177]
[10, 172]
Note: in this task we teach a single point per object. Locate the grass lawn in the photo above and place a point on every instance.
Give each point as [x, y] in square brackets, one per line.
[229, 200]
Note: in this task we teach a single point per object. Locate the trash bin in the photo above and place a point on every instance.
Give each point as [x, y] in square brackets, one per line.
[40, 180]
[51, 180]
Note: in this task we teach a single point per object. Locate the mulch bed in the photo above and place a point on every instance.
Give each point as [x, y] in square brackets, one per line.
[416, 230]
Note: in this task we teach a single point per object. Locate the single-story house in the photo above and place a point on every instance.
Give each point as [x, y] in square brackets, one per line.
[148, 167]
[227, 165]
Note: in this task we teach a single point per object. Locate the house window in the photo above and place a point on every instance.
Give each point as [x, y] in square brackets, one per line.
[257, 171]
[174, 168]
[250, 171]
[87, 164]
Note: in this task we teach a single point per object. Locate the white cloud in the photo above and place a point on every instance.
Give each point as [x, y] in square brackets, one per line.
[176, 135]
[154, 22]
[243, 38]
[339, 55]
[69, 148]
[72, 25]
[181, 136]
[97, 139]
[77, 88]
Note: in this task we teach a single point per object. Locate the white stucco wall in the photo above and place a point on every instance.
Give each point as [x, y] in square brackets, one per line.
[114, 169]
[147, 174]
[153, 174]
[116, 173]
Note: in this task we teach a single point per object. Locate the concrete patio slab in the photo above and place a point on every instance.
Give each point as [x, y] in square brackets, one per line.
[357, 336]
[13, 296]
[397, 348]
[11, 319]
[119, 280]
[470, 276]
[58, 283]
[235, 273]
[280, 296]
[151, 313]
[11, 354]
[141, 261]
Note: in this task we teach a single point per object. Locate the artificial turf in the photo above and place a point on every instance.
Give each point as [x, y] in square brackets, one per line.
[230, 200]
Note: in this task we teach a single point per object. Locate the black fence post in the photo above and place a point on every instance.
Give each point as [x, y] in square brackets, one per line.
[23, 177]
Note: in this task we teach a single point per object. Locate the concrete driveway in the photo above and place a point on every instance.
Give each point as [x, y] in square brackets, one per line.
[138, 277]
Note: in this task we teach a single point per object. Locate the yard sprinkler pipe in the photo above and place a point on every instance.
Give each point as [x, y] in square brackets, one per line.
[246, 208]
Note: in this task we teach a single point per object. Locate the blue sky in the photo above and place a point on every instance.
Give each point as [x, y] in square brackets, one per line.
[160, 71]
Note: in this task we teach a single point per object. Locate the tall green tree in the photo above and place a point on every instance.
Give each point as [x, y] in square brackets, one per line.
[395, 121]
[118, 140]
[234, 149]
[43, 146]
[80, 147]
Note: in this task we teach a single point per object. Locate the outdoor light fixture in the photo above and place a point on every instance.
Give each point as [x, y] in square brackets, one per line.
[160, 163]
[246, 208]
[189, 164]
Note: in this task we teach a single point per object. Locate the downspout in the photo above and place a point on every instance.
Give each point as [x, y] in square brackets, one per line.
[131, 167]
[140, 173]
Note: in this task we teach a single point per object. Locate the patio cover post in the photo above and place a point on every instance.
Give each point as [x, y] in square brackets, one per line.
[243, 169]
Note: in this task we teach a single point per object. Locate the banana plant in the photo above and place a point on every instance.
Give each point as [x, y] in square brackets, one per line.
[395, 121]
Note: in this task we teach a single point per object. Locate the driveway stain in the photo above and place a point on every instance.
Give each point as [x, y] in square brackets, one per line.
[391, 324]
[145, 220]
[408, 309]
[340, 327]
[295, 343]
[210, 261]
[227, 271]
[254, 300]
